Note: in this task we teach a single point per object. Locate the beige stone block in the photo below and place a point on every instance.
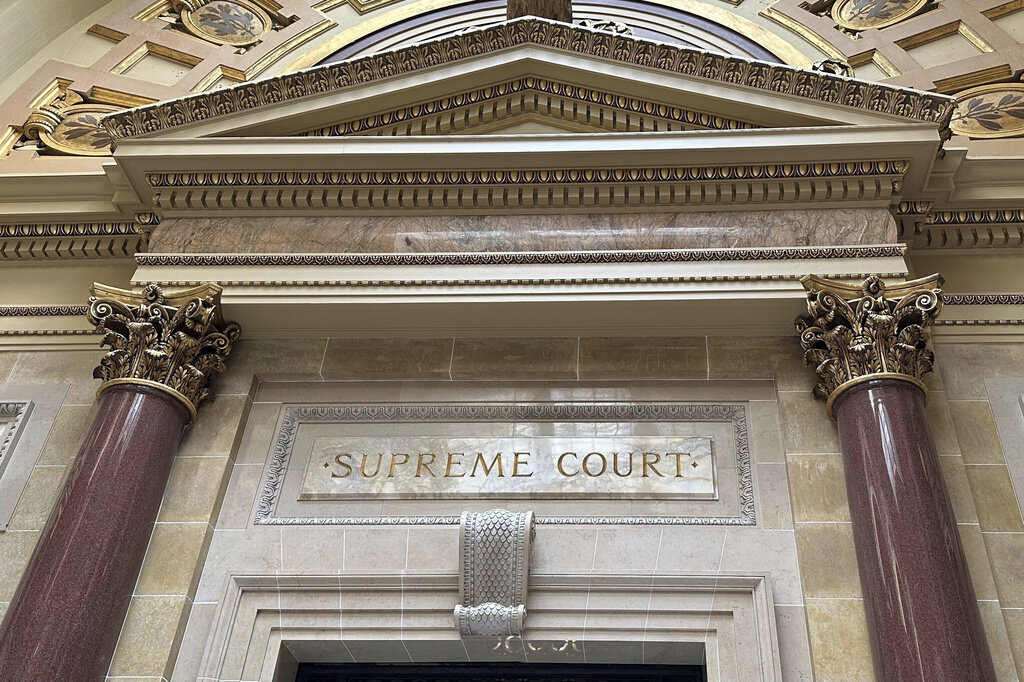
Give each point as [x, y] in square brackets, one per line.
[376, 549]
[964, 366]
[752, 551]
[778, 357]
[74, 367]
[529, 358]
[817, 488]
[313, 549]
[994, 497]
[977, 561]
[66, 434]
[1014, 621]
[173, 560]
[941, 424]
[998, 640]
[976, 431]
[805, 427]
[828, 560]
[269, 359]
[44, 483]
[794, 643]
[259, 433]
[240, 496]
[772, 488]
[3, 609]
[255, 551]
[15, 550]
[627, 549]
[150, 637]
[218, 429]
[7, 361]
[958, 487]
[1006, 556]
[765, 431]
[643, 358]
[840, 648]
[433, 550]
[387, 359]
[194, 489]
[564, 549]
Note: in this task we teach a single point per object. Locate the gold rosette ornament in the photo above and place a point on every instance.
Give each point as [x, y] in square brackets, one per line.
[174, 343]
[856, 333]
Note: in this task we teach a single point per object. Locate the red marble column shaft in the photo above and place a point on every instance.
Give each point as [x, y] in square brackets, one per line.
[923, 618]
[66, 615]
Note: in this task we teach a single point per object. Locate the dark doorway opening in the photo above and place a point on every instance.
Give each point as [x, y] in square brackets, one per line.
[496, 672]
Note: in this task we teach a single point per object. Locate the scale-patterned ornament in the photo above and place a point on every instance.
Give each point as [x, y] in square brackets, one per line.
[861, 15]
[995, 110]
[226, 22]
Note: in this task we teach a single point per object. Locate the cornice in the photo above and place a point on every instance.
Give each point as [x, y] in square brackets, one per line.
[820, 86]
[108, 229]
[522, 258]
[43, 310]
[28, 241]
[984, 299]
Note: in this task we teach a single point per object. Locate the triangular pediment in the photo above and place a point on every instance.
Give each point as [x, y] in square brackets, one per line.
[564, 62]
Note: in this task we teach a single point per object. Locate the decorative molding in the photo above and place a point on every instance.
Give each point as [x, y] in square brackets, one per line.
[824, 87]
[115, 229]
[494, 560]
[49, 332]
[993, 228]
[652, 113]
[979, 323]
[590, 176]
[998, 216]
[854, 332]
[43, 310]
[533, 281]
[982, 299]
[176, 343]
[27, 241]
[12, 416]
[296, 415]
[68, 125]
[523, 257]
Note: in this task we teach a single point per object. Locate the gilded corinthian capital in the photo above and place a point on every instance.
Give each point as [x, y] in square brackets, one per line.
[174, 343]
[856, 333]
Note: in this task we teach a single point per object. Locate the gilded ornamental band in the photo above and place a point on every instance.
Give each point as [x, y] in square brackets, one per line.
[857, 333]
[173, 343]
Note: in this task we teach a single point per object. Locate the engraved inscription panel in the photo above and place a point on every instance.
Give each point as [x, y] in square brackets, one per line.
[537, 467]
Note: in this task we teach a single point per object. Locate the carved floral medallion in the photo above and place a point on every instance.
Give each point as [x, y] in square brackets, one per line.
[226, 22]
[995, 110]
[70, 126]
[861, 15]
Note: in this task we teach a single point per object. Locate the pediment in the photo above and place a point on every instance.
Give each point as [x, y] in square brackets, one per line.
[555, 60]
[531, 114]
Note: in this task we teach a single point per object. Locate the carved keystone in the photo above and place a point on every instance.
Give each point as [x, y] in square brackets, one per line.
[494, 555]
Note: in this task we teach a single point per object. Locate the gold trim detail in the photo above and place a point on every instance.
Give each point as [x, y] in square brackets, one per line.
[225, 22]
[990, 111]
[68, 125]
[895, 376]
[154, 385]
[709, 66]
[858, 15]
[177, 342]
[853, 331]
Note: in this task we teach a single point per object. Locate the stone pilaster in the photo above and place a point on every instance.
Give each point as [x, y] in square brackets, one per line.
[65, 616]
[869, 348]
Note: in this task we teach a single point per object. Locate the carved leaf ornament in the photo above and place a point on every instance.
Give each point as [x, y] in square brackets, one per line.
[854, 332]
[180, 347]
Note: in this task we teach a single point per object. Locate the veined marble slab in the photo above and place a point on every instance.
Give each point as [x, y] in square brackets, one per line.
[545, 467]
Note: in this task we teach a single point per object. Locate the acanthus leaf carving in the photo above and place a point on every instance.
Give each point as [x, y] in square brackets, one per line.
[854, 332]
[177, 343]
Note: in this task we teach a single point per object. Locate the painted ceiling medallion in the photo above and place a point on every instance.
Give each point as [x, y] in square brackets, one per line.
[69, 126]
[226, 22]
[995, 110]
[861, 15]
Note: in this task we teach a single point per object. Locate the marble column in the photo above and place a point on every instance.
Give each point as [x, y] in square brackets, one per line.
[67, 612]
[868, 346]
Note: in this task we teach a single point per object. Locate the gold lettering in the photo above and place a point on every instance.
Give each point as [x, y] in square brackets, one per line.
[482, 463]
[348, 467]
[615, 465]
[425, 465]
[362, 468]
[651, 456]
[516, 464]
[586, 469]
[394, 461]
[679, 464]
[561, 470]
[452, 460]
